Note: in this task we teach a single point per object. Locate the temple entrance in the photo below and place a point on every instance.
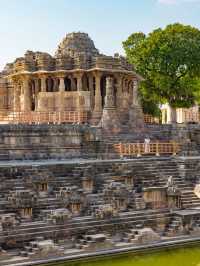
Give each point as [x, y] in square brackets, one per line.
[26, 212]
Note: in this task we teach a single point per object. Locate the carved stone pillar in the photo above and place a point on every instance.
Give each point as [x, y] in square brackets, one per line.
[91, 89]
[98, 98]
[16, 100]
[136, 117]
[109, 120]
[97, 112]
[27, 96]
[135, 101]
[62, 84]
[119, 86]
[43, 84]
[109, 98]
[79, 81]
[37, 86]
[37, 90]
[123, 85]
[61, 93]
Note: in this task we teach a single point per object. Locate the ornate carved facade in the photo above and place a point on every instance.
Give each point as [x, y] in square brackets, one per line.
[76, 78]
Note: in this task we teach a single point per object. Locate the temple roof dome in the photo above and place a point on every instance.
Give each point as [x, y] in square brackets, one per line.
[76, 43]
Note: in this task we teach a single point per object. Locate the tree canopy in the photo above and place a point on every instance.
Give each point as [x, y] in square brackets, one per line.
[169, 61]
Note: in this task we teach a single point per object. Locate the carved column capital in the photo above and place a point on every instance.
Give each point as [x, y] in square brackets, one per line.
[98, 74]
[43, 83]
[26, 90]
[78, 74]
[135, 92]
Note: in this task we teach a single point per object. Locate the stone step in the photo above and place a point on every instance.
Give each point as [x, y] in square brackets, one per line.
[124, 217]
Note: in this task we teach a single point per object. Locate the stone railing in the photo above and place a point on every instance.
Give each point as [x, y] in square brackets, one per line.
[149, 119]
[43, 117]
[154, 148]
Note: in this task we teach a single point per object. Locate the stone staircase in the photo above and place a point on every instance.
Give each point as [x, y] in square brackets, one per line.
[146, 172]
[139, 202]
[189, 199]
[28, 231]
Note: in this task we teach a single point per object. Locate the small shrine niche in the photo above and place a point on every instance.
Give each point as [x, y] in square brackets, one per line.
[43, 187]
[59, 216]
[121, 204]
[105, 211]
[26, 212]
[75, 207]
[7, 221]
[129, 181]
[174, 201]
[88, 184]
[88, 180]
[155, 197]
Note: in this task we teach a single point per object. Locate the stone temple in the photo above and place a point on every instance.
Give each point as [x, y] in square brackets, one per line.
[77, 79]
[81, 172]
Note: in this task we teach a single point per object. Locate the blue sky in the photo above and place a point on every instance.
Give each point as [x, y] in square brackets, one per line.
[41, 24]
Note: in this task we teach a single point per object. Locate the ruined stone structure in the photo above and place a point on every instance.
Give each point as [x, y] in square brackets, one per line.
[77, 78]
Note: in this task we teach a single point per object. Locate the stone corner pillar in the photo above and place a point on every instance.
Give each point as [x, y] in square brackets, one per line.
[119, 87]
[61, 93]
[62, 84]
[27, 95]
[43, 84]
[16, 97]
[91, 90]
[109, 120]
[109, 98]
[136, 116]
[97, 111]
[79, 77]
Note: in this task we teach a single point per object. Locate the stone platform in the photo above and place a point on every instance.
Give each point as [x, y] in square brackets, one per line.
[36, 142]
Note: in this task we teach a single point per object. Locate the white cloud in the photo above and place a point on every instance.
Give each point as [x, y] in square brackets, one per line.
[172, 2]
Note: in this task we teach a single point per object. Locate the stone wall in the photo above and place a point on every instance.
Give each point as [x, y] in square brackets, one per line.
[45, 141]
[71, 101]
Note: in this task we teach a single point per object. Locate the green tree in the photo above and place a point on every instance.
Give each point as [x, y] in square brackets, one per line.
[169, 60]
